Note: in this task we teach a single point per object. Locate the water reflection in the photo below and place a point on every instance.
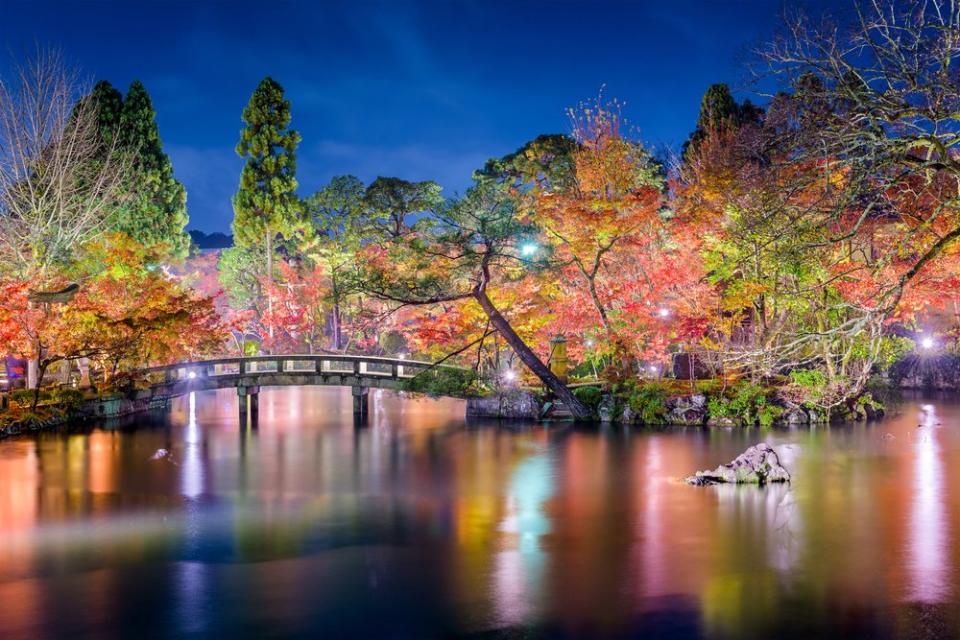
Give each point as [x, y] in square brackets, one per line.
[928, 528]
[419, 525]
[520, 566]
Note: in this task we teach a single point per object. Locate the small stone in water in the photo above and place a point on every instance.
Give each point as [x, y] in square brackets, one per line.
[160, 453]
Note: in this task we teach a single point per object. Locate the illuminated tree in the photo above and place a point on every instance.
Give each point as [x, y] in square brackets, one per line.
[156, 212]
[127, 314]
[58, 183]
[466, 251]
[266, 207]
[338, 214]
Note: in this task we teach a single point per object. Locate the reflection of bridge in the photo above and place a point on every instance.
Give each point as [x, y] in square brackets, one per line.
[248, 374]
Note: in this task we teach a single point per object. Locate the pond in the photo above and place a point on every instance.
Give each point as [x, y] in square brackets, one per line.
[422, 525]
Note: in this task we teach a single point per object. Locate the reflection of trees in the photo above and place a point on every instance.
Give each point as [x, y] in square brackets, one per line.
[754, 550]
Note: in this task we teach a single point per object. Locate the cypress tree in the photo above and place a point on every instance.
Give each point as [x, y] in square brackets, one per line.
[157, 211]
[719, 110]
[266, 206]
[108, 103]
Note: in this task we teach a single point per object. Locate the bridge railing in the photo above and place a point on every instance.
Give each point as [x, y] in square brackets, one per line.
[296, 364]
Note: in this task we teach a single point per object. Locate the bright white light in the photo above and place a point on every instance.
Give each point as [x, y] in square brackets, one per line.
[510, 375]
[402, 356]
[192, 375]
[528, 249]
[927, 342]
[589, 343]
[663, 312]
[653, 369]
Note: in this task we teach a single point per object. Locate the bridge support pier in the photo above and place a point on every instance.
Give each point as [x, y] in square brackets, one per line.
[361, 402]
[248, 396]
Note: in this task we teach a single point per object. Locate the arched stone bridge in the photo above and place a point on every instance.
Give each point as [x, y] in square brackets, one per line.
[248, 374]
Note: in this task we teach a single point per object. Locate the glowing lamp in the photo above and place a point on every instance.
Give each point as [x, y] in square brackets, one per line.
[663, 312]
[192, 375]
[528, 249]
[927, 342]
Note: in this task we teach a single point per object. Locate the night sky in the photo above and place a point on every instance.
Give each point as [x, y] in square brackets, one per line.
[419, 90]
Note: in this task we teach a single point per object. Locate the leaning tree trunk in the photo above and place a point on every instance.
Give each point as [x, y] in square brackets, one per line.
[528, 357]
[269, 243]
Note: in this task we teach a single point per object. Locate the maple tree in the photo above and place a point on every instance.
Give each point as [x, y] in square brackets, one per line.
[125, 314]
[611, 236]
[299, 311]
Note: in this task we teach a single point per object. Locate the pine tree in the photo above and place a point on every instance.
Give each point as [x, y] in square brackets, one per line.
[156, 213]
[266, 207]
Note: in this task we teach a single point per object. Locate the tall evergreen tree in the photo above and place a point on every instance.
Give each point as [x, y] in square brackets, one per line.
[719, 110]
[107, 102]
[266, 207]
[157, 212]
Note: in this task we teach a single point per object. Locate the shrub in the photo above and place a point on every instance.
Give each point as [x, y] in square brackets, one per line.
[24, 397]
[649, 401]
[70, 399]
[808, 378]
[442, 381]
[590, 396]
[746, 401]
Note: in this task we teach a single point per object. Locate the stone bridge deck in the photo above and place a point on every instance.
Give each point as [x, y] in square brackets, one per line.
[248, 374]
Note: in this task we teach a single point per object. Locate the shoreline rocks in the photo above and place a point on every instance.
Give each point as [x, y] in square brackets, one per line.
[759, 464]
[513, 404]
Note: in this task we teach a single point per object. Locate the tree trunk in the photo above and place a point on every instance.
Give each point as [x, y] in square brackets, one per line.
[336, 326]
[33, 368]
[41, 368]
[528, 357]
[270, 278]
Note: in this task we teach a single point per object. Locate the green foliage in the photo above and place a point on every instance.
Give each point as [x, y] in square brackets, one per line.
[337, 211]
[389, 202]
[444, 381]
[238, 269]
[746, 402]
[266, 205]
[808, 378]
[108, 103]
[547, 160]
[24, 397]
[719, 110]
[892, 350]
[156, 212]
[649, 401]
[152, 208]
[590, 396]
[867, 400]
[68, 398]
[810, 386]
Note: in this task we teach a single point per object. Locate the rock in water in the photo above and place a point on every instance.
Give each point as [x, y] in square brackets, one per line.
[160, 454]
[757, 465]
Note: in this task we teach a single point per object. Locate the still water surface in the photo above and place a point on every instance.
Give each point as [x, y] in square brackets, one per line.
[421, 526]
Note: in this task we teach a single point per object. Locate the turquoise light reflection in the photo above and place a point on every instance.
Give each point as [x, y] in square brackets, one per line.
[520, 567]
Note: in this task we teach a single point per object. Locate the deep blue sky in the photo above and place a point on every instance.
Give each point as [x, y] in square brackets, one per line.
[419, 90]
